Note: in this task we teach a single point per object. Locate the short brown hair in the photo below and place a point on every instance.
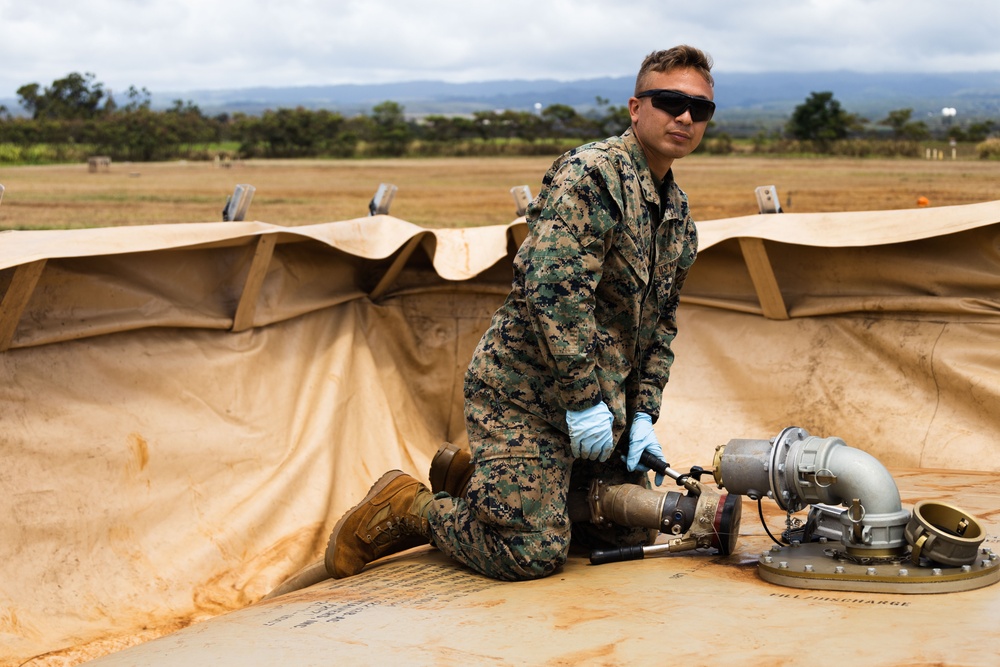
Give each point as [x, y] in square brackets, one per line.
[671, 59]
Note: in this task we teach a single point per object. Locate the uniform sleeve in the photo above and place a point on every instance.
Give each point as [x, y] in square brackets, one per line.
[561, 278]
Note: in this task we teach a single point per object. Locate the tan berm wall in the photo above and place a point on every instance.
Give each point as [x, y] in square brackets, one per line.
[187, 409]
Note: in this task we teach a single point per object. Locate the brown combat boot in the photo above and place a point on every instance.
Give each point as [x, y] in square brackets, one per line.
[391, 518]
[451, 469]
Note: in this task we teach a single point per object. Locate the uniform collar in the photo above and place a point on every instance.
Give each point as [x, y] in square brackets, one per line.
[646, 181]
[650, 188]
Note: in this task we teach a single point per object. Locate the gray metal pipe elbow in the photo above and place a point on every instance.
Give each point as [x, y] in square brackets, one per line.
[796, 469]
[860, 475]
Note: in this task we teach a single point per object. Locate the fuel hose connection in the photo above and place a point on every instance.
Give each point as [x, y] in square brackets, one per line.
[857, 535]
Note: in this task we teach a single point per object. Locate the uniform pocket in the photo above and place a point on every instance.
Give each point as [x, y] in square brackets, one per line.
[511, 485]
[634, 255]
[624, 280]
[521, 470]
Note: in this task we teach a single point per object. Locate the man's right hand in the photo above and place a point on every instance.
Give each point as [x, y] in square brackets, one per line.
[590, 435]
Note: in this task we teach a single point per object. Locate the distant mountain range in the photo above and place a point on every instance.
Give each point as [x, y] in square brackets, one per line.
[740, 96]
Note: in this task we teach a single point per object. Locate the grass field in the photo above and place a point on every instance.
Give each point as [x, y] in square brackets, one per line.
[450, 192]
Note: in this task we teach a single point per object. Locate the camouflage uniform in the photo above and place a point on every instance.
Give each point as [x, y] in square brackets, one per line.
[590, 317]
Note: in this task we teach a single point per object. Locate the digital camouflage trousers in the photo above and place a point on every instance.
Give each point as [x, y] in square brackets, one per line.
[514, 523]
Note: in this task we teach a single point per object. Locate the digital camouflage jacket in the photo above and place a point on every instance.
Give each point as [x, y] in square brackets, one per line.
[591, 312]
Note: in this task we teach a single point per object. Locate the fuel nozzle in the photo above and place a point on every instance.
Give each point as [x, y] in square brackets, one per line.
[700, 519]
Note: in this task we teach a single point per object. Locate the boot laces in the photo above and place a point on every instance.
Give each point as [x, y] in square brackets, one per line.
[396, 528]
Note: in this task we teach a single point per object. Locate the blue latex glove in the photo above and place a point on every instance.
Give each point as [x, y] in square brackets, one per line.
[590, 434]
[643, 439]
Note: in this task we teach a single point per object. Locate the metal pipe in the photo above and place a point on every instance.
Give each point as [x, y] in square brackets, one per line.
[859, 475]
[796, 469]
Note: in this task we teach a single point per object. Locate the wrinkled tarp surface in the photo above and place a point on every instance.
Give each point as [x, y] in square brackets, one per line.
[187, 409]
[690, 608]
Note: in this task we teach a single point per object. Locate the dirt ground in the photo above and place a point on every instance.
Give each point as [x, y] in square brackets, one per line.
[449, 192]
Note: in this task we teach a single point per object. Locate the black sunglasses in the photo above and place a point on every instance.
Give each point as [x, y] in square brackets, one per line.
[676, 103]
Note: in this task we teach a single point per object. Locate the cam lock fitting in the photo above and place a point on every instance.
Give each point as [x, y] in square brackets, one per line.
[700, 519]
[944, 534]
[635, 506]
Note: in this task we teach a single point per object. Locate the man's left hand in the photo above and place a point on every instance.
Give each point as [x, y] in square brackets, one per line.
[642, 438]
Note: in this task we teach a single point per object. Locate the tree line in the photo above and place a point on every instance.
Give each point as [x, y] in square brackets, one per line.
[76, 113]
[821, 120]
[75, 117]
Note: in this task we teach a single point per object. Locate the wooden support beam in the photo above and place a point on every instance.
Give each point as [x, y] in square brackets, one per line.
[390, 275]
[772, 304]
[22, 286]
[247, 307]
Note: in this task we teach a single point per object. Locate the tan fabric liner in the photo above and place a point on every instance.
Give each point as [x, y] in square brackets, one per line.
[690, 609]
[182, 426]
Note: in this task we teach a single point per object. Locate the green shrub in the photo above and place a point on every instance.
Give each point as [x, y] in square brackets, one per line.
[878, 147]
[718, 145]
[989, 149]
[10, 154]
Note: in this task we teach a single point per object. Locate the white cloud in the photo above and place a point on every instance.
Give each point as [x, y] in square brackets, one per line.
[177, 45]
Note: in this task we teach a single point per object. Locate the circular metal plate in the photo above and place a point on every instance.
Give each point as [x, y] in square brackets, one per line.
[809, 566]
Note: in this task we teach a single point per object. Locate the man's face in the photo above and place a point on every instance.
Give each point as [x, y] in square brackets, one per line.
[665, 138]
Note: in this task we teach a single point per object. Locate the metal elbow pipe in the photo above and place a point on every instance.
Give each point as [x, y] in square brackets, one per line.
[859, 475]
[796, 469]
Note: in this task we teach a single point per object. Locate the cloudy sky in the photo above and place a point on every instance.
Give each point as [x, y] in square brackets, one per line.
[182, 45]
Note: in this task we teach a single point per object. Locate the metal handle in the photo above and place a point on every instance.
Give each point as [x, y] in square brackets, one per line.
[656, 464]
[601, 556]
